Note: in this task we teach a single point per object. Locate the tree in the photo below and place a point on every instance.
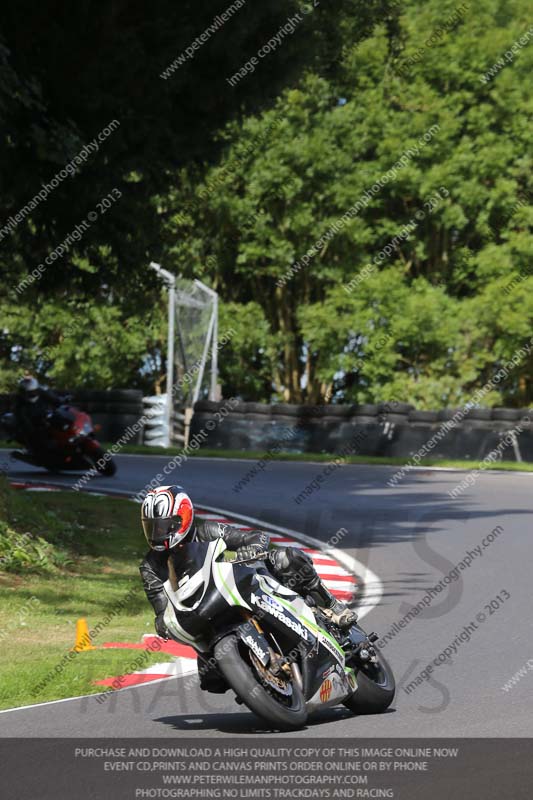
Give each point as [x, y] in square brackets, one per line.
[390, 340]
[246, 361]
[78, 344]
[452, 218]
[72, 71]
[365, 215]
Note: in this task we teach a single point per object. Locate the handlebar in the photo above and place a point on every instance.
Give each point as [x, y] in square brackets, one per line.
[258, 557]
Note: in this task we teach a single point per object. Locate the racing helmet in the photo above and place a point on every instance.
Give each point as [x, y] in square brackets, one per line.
[167, 516]
[29, 388]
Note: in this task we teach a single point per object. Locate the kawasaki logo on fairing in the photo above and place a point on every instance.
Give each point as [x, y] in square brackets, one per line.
[272, 607]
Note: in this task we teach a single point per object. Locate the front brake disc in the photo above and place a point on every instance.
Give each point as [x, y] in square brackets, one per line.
[273, 681]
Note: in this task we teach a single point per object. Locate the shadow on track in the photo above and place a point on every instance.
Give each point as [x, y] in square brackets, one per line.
[246, 723]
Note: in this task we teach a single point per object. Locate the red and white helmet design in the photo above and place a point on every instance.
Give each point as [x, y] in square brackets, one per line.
[167, 516]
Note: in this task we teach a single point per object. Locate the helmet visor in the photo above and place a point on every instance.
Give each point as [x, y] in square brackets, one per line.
[159, 529]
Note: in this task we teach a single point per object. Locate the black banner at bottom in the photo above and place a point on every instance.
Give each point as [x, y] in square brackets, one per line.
[148, 769]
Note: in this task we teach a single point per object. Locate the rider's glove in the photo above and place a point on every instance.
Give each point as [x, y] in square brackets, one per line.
[160, 626]
[249, 552]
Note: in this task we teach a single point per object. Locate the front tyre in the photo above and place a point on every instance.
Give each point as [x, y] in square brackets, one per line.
[109, 468]
[105, 466]
[242, 678]
[375, 688]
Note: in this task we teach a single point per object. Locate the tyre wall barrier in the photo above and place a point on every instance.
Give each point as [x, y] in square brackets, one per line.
[112, 411]
[116, 411]
[386, 429]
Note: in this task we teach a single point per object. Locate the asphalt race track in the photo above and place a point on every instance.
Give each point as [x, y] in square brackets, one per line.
[412, 536]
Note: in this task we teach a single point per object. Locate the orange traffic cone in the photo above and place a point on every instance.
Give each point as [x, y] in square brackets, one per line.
[83, 638]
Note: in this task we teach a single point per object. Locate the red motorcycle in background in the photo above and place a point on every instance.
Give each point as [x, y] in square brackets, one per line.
[67, 441]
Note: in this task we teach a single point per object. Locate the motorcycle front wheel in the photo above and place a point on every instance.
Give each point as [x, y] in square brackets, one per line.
[235, 664]
[375, 688]
[108, 468]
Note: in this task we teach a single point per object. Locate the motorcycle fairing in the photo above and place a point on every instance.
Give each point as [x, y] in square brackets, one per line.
[339, 688]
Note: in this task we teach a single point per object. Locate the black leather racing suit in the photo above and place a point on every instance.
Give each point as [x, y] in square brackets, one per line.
[288, 565]
[31, 419]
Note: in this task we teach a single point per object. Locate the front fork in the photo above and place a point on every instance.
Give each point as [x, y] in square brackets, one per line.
[278, 665]
[359, 646]
[88, 444]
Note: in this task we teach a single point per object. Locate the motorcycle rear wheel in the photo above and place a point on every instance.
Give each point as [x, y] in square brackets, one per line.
[241, 678]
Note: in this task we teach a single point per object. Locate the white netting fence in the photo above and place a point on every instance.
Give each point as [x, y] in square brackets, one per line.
[192, 363]
[195, 332]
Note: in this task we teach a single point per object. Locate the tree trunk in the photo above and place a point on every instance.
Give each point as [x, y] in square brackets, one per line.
[292, 368]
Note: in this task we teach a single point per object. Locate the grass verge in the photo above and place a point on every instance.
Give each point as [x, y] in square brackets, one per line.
[258, 455]
[102, 545]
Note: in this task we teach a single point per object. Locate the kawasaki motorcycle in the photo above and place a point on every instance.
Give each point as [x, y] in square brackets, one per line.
[283, 658]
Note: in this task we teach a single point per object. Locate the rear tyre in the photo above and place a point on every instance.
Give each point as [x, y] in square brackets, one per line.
[375, 689]
[241, 678]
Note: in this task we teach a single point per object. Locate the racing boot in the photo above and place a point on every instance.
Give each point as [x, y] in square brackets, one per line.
[333, 609]
[295, 570]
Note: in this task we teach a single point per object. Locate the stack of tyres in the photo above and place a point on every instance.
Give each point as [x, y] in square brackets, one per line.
[391, 429]
[423, 419]
[155, 431]
[232, 426]
[330, 427]
[394, 412]
[507, 418]
[113, 410]
[478, 418]
[289, 434]
[366, 414]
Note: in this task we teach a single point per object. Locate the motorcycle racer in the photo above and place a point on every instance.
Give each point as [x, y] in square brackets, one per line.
[34, 405]
[168, 521]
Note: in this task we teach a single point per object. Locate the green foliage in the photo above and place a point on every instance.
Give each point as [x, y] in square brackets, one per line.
[24, 551]
[78, 68]
[55, 532]
[246, 188]
[246, 361]
[40, 605]
[289, 174]
[68, 77]
[390, 339]
[79, 343]
[28, 554]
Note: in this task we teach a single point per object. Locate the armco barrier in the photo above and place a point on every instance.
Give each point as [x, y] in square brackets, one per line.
[386, 429]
